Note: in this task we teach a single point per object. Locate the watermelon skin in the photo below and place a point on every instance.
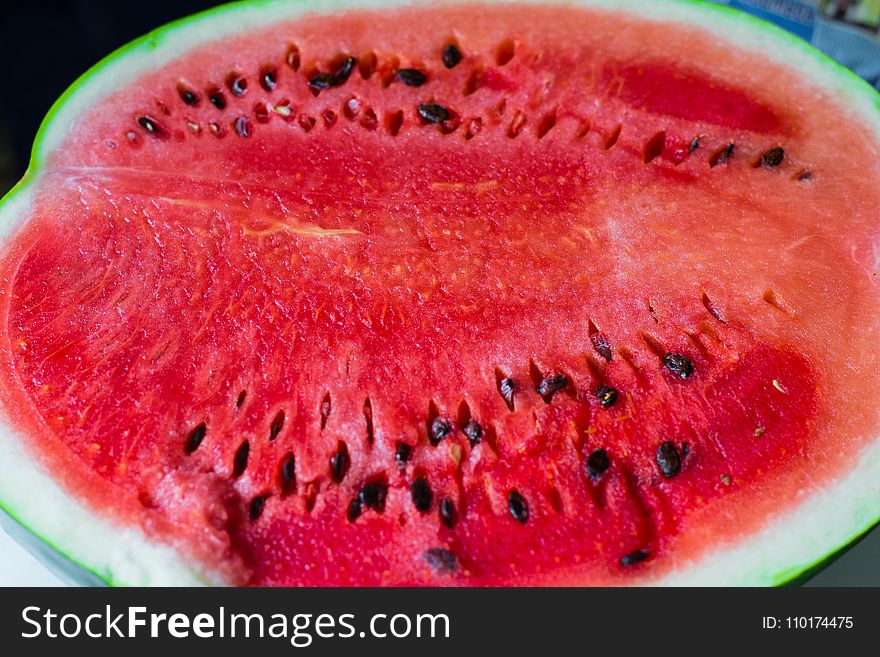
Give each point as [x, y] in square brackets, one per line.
[777, 358]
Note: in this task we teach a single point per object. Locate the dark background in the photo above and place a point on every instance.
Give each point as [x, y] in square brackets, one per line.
[481, 621]
[46, 44]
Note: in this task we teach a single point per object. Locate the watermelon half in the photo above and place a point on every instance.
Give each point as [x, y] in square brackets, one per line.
[453, 294]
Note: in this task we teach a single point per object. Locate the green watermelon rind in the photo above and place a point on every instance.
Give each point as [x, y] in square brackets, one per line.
[89, 548]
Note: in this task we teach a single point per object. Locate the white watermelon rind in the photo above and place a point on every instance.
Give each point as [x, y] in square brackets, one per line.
[89, 548]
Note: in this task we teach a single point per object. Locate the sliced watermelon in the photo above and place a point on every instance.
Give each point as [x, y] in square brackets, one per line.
[449, 294]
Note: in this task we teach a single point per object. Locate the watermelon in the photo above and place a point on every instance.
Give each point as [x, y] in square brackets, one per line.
[448, 294]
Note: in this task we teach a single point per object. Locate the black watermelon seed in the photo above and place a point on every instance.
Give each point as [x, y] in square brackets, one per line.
[694, 145]
[602, 346]
[441, 560]
[506, 387]
[324, 81]
[440, 428]
[288, 473]
[474, 431]
[195, 438]
[633, 558]
[726, 154]
[339, 463]
[421, 494]
[402, 453]
[373, 495]
[773, 157]
[448, 514]
[551, 384]
[277, 425]
[237, 85]
[241, 397]
[723, 155]
[148, 124]
[679, 365]
[187, 95]
[597, 463]
[345, 68]
[354, 509]
[152, 126]
[452, 56]
[607, 396]
[242, 127]
[411, 77]
[269, 79]
[256, 508]
[217, 99]
[239, 463]
[433, 113]
[668, 459]
[517, 506]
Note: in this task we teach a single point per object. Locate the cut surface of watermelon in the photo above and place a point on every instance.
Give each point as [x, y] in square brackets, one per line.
[456, 294]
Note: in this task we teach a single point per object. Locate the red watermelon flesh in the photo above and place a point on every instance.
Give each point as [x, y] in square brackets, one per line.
[593, 301]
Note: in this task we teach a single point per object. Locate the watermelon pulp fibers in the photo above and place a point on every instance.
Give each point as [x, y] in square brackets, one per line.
[577, 308]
